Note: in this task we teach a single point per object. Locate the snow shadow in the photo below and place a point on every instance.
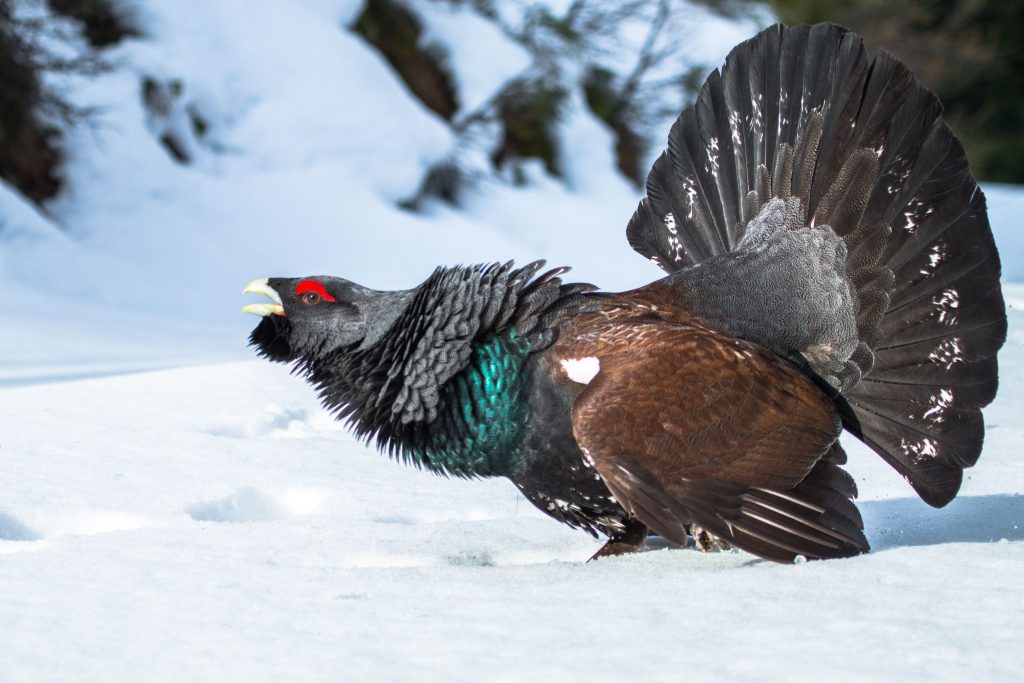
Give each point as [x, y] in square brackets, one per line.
[252, 505]
[13, 530]
[244, 505]
[273, 419]
[56, 377]
[902, 522]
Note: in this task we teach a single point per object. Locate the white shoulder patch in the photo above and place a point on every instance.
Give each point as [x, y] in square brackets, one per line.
[581, 370]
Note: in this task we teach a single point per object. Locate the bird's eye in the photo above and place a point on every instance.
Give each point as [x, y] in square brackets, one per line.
[310, 291]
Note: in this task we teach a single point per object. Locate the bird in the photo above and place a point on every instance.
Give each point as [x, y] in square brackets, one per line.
[829, 267]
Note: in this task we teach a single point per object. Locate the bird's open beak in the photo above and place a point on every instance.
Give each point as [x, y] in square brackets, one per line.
[260, 286]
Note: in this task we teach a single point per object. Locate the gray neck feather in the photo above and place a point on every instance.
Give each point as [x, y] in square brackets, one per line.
[381, 312]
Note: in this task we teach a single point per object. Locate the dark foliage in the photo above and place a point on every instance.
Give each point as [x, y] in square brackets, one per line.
[605, 103]
[166, 104]
[396, 31]
[444, 180]
[102, 24]
[529, 110]
[29, 151]
[971, 53]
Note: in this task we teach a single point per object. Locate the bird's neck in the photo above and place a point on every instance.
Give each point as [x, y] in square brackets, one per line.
[441, 387]
[381, 312]
[481, 415]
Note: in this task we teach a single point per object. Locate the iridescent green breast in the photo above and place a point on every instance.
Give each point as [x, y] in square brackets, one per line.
[481, 419]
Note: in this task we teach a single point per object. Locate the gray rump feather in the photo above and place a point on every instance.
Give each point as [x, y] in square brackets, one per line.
[784, 287]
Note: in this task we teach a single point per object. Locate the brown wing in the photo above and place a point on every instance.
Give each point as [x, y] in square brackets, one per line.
[689, 425]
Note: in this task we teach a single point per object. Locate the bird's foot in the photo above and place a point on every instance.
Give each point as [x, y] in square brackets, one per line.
[631, 540]
[613, 548]
[706, 541]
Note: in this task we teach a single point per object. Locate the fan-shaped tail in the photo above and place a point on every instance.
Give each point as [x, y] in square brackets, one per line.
[804, 113]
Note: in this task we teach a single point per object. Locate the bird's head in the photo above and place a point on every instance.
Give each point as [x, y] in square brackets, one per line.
[308, 318]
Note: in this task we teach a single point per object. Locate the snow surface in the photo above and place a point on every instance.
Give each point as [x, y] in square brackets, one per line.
[476, 51]
[172, 509]
[212, 523]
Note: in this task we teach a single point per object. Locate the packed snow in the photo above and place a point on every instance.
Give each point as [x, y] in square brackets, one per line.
[173, 509]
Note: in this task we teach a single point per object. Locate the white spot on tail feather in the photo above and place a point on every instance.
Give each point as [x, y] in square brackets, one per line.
[670, 223]
[948, 353]
[690, 188]
[947, 302]
[581, 370]
[673, 237]
[939, 403]
[938, 254]
[919, 451]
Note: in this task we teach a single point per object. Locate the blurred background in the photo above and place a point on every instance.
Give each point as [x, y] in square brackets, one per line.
[155, 156]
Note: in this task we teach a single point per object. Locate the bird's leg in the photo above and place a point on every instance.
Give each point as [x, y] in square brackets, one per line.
[630, 540]
[706, 541]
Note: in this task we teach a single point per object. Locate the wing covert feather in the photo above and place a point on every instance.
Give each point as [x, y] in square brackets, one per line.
[700, 405]
[700, 428]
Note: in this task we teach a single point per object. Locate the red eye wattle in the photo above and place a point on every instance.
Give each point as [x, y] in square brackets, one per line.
[312, 292]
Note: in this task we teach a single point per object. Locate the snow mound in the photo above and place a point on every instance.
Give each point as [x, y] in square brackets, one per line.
[252, 505]
[13, 530]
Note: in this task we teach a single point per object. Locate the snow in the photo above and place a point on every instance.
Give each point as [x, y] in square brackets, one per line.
[171, 508]
[212, 522]
[476, 51]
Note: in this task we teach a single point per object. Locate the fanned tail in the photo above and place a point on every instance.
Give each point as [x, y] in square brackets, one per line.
[804, 113]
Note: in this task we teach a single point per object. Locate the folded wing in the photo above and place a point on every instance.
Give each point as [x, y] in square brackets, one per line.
[697, 427]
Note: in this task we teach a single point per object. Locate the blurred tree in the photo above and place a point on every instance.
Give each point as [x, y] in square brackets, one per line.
[394, 29]
[102, 21]
[30, 113]
[970, 52]
[528, 110]
[29, 153]
[617, 99]
[629, 61]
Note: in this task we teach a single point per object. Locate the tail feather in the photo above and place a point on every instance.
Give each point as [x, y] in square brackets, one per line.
[713, 114]
[975, 379]
[687, 158]
[806, 112]
[913, 452]
[746, 158]
[844, 102]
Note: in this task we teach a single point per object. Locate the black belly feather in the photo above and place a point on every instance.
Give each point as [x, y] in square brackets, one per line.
[551, 470]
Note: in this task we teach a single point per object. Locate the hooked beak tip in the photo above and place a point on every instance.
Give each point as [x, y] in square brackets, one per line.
[262, 286]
